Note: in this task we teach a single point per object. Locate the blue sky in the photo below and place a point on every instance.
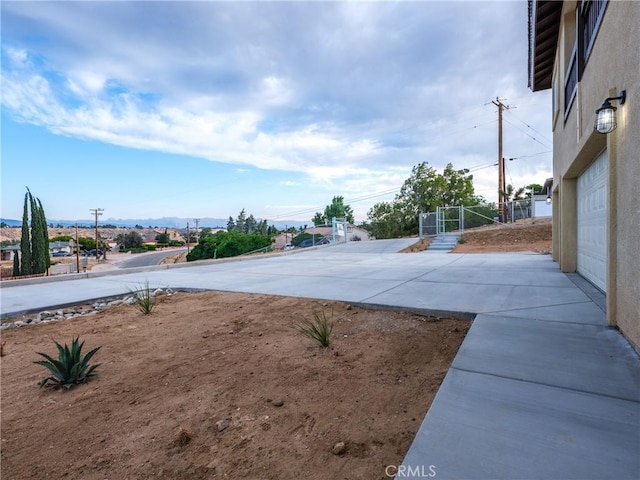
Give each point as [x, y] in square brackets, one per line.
[200, 109]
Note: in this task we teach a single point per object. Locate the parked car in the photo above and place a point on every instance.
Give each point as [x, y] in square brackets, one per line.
[309, 242]
[60, 254]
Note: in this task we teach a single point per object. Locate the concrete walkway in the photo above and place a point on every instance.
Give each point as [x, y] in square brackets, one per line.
[541, 387]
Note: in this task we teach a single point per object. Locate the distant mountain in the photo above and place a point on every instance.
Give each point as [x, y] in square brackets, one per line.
[169, 222]
[11, 223]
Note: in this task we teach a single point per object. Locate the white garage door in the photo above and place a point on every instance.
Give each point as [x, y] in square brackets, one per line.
[592, 222]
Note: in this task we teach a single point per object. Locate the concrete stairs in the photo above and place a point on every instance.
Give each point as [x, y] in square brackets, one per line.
[443, 243]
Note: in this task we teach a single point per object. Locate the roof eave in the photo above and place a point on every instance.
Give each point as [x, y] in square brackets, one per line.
[544, 28]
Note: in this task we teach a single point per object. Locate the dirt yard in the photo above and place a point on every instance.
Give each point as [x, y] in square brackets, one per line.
[533, 235]
[218, 385]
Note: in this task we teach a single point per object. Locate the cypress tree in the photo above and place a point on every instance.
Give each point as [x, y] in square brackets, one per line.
[25, 241]
[34, 243]
[39, 237]
[45, 239]
[37, 246]
[16, 264]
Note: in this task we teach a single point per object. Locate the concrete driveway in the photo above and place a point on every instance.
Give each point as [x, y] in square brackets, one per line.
[541, 387]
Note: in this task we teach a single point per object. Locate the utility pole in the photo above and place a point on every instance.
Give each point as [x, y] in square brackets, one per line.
[77, 251]
[501, 178]
[197, 220]
[97, 212]
[188, 237]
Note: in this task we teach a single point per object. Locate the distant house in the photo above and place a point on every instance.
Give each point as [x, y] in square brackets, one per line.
[281, 240]
[7, 253]
[62, 247]
[541, 203]
[587, 53]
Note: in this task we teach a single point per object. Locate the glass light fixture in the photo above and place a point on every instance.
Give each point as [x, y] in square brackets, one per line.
[606, 114]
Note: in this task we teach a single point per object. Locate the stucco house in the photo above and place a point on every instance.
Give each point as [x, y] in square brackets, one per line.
[588, 54]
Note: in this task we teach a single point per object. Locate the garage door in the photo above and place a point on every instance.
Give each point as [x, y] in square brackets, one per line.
[592, 222]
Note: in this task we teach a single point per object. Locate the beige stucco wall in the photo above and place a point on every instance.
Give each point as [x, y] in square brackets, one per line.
[613, 65]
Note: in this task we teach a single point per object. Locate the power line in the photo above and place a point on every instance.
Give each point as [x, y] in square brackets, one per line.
[527, 134]
[529, 126]
[348, 201]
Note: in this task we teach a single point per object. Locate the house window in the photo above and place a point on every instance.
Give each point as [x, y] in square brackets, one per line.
[571, 82]
[555, 97]
[588, 18]
[591, 13]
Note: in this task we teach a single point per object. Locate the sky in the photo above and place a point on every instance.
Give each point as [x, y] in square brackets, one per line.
[201, 109]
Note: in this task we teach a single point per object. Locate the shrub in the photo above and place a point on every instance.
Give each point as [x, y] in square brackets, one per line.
[71, 367]
[317, 329]
[143, 299]
[228, 244]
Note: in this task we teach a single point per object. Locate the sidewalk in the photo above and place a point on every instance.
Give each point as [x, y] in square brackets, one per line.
[541, 387]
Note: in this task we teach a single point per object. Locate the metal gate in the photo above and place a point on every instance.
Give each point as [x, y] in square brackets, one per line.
[339, 230]
[443, 220]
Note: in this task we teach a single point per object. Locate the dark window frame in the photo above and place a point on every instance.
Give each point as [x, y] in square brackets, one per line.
[571, 82]
[589, 15]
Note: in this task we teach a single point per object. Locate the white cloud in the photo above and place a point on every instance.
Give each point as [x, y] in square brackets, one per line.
[350, 94]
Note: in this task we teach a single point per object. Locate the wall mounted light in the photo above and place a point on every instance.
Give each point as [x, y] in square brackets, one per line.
[606, 114]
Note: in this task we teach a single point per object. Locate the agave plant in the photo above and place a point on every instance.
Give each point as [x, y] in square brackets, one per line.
[71, 367]
[143, 298]
[318, 328]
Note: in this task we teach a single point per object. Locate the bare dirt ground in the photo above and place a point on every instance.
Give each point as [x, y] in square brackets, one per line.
[170, 382]
[530, 235]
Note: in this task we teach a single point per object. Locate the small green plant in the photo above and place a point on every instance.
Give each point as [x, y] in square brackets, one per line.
[462, 240]
[143, 299]
[317, 328]
[71, 367]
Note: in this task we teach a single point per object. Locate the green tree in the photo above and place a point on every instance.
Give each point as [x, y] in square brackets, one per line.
[205, 232]
[512, 193]
[426, 189]
[534, 188]
[231, 224]
[34, 242]
[163, 237]
[61, 238]
[336, 209]
[262, 228]
[228, 244]
[388, 220]
[25, 240]
[318, 219]
[39, 237]
[87, 243]
[250, 224]
[240, 221]
[16, 264]
[272, 231]
[422, 192]
[127, 240]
